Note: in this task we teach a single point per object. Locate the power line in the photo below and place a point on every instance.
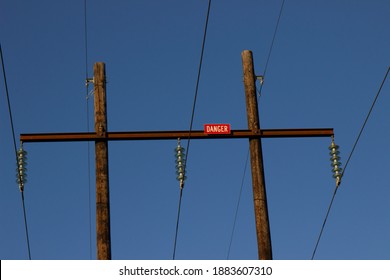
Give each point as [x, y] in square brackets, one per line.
[192, 119]
[365, 121]
[88, 128]
[177, 223]
[25, 226]
[198, 76]
[323, 224]
[238, 205]
[271, 46]
[15, 149]
[86, 40]
[8, 100]
[349, 158]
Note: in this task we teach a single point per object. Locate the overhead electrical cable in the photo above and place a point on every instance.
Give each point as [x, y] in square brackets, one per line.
[260, 90]
[238, 206]
[192, 119]
[8, 100]
[177, 225]
[349, 158]
[15, 149]
[86, 41]
[198, 77]
[324, 223]
[365, 121]
[88, 127]
[271, 46]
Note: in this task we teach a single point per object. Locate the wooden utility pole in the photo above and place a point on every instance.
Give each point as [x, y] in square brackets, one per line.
[101, 137]
[256, 155]
[103, 237]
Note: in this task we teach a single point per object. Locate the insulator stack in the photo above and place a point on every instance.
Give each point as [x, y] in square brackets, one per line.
[21, 170]
[336, 164]
[180, 164]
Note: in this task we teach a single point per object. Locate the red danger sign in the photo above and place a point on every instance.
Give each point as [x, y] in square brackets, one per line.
[222, 128]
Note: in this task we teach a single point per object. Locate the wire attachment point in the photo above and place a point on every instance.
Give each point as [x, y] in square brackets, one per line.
[260, 79]
[89, 81]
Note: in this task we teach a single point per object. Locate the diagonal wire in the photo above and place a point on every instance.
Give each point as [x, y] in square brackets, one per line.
[271, 46]
[323, 224]
[365, 121]
[192, 120]
[15, 148]
[25, 226]
[177, 224]
[8, 100]
[198, 77]
[349, 158]
[238, 205]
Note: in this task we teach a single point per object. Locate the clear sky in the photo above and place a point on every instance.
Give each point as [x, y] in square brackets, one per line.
[328, 61]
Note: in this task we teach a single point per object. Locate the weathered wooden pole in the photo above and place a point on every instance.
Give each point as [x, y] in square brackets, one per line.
[256, 155]
[103, 236]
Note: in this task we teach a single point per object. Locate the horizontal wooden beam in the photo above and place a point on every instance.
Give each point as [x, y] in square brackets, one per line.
[166, 135]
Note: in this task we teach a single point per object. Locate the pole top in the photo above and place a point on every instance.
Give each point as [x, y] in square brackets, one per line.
[246, 52]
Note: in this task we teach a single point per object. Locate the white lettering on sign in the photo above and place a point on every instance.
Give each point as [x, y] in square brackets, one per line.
[217, 128]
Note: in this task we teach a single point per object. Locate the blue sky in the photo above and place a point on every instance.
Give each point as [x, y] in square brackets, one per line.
[327, 63]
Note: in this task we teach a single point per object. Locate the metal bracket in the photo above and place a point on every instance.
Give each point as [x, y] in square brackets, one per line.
[260, 79]
[89, 81]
